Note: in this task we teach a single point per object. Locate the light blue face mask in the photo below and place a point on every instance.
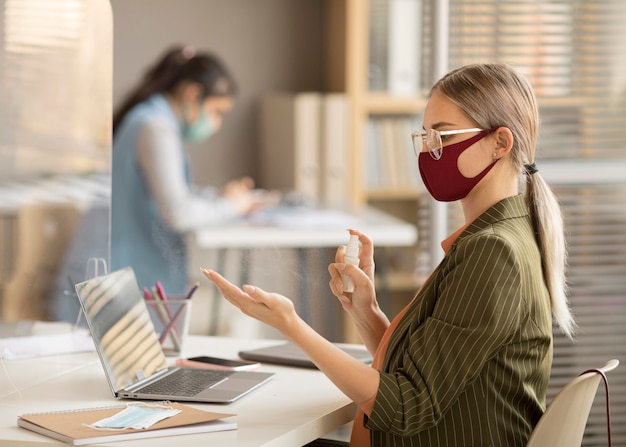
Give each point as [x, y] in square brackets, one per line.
[200, 130]
[135, 416]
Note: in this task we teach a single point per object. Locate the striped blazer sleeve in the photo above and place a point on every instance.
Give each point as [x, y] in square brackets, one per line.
[469, 330]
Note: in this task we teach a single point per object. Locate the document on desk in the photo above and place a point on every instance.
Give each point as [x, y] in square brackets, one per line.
[74, 426]
[27, 339]
[306, 218]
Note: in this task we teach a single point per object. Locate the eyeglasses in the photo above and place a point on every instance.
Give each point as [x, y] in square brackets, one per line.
[432, 140]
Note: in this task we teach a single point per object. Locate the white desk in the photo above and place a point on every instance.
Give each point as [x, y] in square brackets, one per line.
[295, 407]
[292, 229]
[307, 229]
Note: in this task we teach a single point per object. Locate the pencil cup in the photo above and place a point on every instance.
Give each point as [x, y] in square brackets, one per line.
[171, 323]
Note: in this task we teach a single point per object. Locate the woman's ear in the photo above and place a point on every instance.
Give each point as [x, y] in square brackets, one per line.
[191, 91]
[503, 138]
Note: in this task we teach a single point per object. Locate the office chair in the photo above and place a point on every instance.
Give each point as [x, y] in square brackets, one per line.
[563, 423]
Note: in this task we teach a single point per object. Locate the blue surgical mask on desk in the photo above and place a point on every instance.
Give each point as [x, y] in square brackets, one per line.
[136, 416]
[200, 130]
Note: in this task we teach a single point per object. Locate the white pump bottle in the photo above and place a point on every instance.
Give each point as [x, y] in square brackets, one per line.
[351, 257]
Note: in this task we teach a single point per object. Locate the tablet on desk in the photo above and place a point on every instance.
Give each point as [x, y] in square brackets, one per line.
[290, 355]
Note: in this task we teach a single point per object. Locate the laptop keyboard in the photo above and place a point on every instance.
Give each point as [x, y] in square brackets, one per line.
[186, 382]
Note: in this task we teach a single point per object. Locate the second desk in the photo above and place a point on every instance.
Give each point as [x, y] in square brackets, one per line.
[295, 230]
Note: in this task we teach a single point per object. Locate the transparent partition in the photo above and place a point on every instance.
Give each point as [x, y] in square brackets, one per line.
[55, 139]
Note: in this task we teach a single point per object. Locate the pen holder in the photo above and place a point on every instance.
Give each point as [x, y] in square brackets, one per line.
[171, 322]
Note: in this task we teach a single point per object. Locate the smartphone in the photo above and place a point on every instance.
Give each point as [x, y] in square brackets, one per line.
[207, 362]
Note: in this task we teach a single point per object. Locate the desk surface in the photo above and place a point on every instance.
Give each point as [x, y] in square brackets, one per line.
[305, 229]
[295, 407]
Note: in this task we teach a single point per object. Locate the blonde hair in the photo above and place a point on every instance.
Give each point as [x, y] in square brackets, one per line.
[496, 95]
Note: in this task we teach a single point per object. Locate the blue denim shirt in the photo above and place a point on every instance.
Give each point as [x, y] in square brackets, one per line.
[140, 238]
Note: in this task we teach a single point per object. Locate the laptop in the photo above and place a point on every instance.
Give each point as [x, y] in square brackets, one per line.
[134, 362]
[289, 354]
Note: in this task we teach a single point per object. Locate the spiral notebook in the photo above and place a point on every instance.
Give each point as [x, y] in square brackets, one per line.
[70, 426]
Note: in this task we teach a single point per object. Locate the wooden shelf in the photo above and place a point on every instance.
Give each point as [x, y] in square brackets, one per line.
[394, 193]
[347, 72]
[400, 281]
[375, 103]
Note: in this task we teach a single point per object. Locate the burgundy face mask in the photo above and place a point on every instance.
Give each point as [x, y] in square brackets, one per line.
[442, 177]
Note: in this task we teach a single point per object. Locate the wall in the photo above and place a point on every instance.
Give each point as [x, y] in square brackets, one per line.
[267, 44]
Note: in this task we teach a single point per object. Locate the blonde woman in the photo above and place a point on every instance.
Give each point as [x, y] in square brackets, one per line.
[467, 362]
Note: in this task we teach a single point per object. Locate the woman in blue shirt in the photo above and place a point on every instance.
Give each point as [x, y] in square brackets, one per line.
[182, 98]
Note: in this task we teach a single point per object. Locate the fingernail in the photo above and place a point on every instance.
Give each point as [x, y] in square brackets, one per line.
[248, 288]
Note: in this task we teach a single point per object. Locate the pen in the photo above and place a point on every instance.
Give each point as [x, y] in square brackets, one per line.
[192, 291]
[171, 325]
[160, 291]
[161, 296]
[147, 295]
[159, 309]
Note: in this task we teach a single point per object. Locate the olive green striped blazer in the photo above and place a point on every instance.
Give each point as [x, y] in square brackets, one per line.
[469, 363]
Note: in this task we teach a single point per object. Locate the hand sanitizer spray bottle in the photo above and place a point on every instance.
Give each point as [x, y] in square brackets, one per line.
[351, 257]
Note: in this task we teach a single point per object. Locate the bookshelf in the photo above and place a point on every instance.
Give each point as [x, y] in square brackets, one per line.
[376, 103]
[573, 99]
[348, 48]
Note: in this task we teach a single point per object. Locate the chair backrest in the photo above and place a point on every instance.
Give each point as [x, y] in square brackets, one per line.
[563, 423]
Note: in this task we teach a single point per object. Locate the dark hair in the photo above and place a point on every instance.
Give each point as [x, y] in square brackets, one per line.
[179, 64]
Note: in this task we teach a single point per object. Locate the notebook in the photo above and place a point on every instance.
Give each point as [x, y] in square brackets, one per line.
[72, 426]
[289, 354]
[134, 362]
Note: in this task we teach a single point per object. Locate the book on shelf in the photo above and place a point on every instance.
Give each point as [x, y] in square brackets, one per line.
[290, 142]
[395, 42]
[334, 150]
[390, 161]
[72, 426]
[404, 47]
[305, 145]
[378, 56]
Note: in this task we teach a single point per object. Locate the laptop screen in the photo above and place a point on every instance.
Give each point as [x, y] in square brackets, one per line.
[121, 328]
